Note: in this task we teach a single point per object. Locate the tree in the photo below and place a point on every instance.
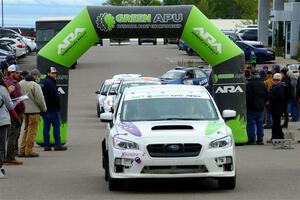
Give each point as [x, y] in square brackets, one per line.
[173, 2]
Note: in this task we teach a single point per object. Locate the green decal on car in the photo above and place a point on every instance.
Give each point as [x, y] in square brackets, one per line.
[238, 127]
[74, 40]
[213, 126]
[207, 40]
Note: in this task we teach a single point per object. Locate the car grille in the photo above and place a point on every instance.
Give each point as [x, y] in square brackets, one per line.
[174, 169]
[174, 150]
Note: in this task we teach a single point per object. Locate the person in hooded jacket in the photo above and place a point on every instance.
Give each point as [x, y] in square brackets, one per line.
[33, 107]
[276, 98]
[286, 79]
[6, 112]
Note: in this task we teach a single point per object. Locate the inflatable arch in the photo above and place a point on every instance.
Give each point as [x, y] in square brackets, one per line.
[185, 22]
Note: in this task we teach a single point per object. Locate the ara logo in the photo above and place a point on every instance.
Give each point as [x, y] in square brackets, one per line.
[208, 39]
[105, 22]
[70, 40]
[229, 89]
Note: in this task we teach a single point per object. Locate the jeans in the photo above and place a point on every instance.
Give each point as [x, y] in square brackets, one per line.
[293, 109]
[255, 128]
[3, 135]
[269, 117]
[54, 119]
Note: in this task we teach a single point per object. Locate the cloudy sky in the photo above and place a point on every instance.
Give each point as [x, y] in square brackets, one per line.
[26, 12]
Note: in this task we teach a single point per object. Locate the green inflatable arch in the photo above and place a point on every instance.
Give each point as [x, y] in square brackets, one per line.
[185, 22]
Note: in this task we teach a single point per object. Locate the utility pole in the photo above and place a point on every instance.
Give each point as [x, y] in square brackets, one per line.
[2, 13]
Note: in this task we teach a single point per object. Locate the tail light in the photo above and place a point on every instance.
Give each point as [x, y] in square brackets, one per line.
[20, 46]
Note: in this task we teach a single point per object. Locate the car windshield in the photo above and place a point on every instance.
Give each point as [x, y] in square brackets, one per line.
[157, 109]
[105, 87]
[173, 74]
[293, 67]
[113, 88]
[135, 84]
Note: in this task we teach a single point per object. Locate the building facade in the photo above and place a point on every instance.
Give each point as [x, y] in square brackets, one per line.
[285, 17]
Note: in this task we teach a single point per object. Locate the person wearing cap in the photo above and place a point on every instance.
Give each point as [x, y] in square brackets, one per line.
[276, 98]
[15, 128]
[256, 96]
[33, 107]
[7, 114]
[286, 79]
[52, 115]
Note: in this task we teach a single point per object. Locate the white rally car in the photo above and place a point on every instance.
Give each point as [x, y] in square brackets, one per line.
[168, 131]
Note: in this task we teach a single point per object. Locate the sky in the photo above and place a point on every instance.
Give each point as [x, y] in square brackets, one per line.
[26, 12]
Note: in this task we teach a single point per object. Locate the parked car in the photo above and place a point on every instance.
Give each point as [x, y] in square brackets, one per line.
[168, 131]
[7, 57]
[147, 40]
[17, 44]
[30, 43]
[185, 75]
[263, 54]
[7, 47]
[171, 41]
[101, 94]
[182, 45]
[252, 34]
[24, 31]
[8, 33]
[235, 37]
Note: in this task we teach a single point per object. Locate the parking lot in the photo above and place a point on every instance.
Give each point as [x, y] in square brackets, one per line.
[262, 172]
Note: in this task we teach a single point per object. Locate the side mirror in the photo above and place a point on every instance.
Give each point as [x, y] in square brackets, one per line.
[97, 92]
[112, 92]
[106, 116]
[228, 114]
[103, 93]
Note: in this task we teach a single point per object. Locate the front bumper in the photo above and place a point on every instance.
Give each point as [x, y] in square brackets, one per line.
[126, 164]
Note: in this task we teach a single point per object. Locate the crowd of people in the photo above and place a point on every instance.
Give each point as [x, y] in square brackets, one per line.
[23, 99]
[271, 94]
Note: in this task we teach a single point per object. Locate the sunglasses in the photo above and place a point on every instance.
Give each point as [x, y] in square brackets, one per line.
[276, 79]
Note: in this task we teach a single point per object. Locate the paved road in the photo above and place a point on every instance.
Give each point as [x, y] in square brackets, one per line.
[262, 172]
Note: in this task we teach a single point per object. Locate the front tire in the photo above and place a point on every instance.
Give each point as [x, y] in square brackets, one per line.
[227, 183]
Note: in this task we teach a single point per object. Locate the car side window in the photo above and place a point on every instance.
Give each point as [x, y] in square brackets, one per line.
[200, 74]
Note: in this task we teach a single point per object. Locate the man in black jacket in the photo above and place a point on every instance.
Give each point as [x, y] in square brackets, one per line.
[52, 115]
[256, 95]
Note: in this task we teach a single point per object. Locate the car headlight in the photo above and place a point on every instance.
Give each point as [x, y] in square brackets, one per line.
[224, 142]
[110, 102]
[120, 143]
[269, 52]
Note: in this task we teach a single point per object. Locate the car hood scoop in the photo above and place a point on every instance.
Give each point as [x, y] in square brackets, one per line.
[172, 127]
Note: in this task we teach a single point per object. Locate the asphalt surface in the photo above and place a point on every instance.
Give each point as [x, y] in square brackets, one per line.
[262, 172]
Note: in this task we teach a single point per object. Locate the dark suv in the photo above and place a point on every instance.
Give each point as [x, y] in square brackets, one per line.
[252, 34]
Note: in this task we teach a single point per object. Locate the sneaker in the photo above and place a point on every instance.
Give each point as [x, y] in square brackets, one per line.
[13, 162]
[269, 141]
[47, 149]
[32, 155]
[2, 173]
[60, 148]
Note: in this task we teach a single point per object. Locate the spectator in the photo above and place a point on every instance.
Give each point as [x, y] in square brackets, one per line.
[52, 116]
[23, 74]
[276, 98]
[293, 108]
[15, 128]
[6, 106]
[276, 68]
[287, 82]
[256, 95]
[33, 107]
[262, 74]
[253, 58]
[268, 84]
